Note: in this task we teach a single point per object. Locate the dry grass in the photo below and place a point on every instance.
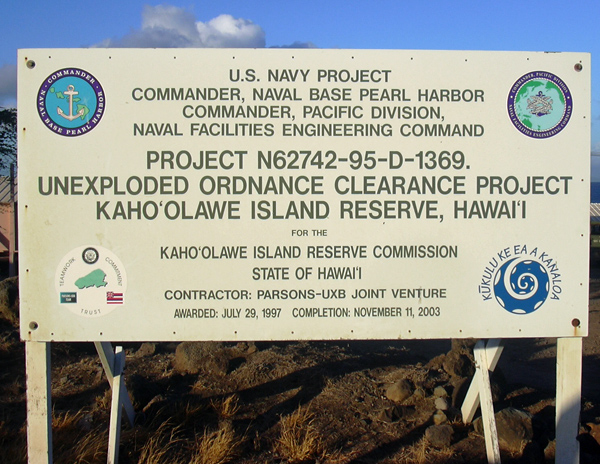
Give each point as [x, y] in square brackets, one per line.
[161, 446]
[74, 442]
[11, 347]
[185, 414]
[219, 447]
[423, 453]
[6, 345]
[103, 402]
[299, 440]
[13, 445]
[13, 388]
[227, 408]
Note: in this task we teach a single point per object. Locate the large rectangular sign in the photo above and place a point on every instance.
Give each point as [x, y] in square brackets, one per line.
[302, 194]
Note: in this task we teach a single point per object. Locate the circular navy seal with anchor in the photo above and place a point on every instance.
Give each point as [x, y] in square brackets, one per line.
[71, 102]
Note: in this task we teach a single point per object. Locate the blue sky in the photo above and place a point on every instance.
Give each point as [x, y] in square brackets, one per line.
[388, 24]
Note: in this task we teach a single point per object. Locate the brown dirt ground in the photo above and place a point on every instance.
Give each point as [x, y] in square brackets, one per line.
[340, 385]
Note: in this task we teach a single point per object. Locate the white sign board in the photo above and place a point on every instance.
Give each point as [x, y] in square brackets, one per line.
[302, 194]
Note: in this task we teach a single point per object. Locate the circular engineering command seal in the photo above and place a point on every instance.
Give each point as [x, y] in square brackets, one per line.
[91, 281]
[70, 102]
[540, 104]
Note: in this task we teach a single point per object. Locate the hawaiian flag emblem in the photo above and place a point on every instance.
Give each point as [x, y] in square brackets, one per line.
[114, 298]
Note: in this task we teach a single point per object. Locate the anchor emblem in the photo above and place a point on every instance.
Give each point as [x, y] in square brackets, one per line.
[540, 104]
[70, 92]
[73, 95]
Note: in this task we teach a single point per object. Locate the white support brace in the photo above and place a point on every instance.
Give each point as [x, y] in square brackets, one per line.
[568, 398]
[482, 376]
[107, 356]
[470, 404]
[118, 389]
[39, 403]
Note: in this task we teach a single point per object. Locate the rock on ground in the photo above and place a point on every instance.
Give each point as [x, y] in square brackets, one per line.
[194, 357]
[515, 428]
[439, 436]
[399, 391]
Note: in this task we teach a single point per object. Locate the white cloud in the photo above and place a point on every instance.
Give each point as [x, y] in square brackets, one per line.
[226, 31]
[167, 26]
[8, 85]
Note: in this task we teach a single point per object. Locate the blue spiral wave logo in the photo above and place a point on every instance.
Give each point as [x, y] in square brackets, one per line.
[521, 286]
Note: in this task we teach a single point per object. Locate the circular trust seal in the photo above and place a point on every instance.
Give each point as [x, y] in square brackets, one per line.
[70, 102]
[540, 104]
[91, 281]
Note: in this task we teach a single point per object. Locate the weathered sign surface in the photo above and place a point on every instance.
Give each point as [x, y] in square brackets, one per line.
[302, 194]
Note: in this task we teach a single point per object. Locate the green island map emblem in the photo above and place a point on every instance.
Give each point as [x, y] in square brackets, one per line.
[94, 279]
